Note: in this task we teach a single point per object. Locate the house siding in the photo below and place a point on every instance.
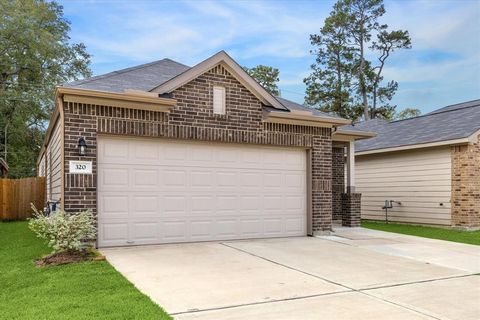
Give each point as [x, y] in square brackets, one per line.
[51, 164]
[193, 119]
[419, 179]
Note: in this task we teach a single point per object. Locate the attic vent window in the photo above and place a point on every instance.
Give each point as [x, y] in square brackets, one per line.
[218, 100]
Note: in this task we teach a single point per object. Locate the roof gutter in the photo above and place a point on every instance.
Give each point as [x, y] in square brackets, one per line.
[302, 118]
[129, 99]
[352, 134]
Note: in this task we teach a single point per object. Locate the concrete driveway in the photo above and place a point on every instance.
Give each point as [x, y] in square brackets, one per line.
[354, 274]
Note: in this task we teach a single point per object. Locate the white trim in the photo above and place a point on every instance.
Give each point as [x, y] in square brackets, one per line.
[416, 146]
[351, 166]
[302, 119]
[237, 71]
[350, 135]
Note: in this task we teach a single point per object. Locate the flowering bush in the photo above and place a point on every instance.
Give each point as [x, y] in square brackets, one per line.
[63, 231]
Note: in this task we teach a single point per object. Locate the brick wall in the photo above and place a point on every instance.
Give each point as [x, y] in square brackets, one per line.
[193, 119]
[351, 209]
[466, 185]
[338, 181]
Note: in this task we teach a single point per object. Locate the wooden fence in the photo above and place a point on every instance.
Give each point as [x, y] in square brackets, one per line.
[16, 196]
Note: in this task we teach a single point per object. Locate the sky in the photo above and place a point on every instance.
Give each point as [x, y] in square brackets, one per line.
[442, 68]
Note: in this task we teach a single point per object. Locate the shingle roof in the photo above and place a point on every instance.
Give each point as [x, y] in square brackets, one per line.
[150, 75]
[448, 123]
[143, 77]
[296, 106]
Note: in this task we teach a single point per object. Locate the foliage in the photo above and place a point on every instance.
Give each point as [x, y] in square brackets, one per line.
[63, 231]
[328, 86]
[35, 56]
[87, 290]
[407, 113]
[266, 76]
[342, 80]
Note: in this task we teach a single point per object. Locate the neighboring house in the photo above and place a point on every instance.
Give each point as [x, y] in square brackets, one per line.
[428, 165]
[166, 153]
[3, 168]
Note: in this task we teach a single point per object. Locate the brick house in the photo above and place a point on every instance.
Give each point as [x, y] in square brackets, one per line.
[428, 166]
[165, 153]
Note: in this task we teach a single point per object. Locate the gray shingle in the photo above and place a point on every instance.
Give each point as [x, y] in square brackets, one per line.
[296, 106]
[143, 77]
[448, 123]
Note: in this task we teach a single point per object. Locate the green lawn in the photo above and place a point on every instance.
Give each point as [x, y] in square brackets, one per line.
[470, 237]
[88, 290]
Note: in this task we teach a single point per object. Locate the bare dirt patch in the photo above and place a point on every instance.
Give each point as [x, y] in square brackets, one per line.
[66, 257]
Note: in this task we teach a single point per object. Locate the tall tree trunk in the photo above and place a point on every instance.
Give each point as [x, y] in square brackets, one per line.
[339, 86]
[363, 88]
[374, 102]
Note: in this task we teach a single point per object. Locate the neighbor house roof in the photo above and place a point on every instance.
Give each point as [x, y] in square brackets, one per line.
[451, 124]
[164, 75]
[3, 166]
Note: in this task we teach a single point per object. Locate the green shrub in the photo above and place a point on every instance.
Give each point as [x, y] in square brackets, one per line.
[63, 231]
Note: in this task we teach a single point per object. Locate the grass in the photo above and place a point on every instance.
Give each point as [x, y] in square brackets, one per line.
[87, 290]
[470, 237]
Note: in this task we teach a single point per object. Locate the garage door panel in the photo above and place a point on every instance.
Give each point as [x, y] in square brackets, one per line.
[226, 228]
[145, 231]
[294, 225]
[115, 177]
[202, 229]
[174, 231]
[145, 178]
[161, 191]
[226, 180]
[113, 205]
[250, 227]
[202, 179]
[112, 232]
[273, 226]
[144, 152]
[144, 204]
[175, 178]
[173, 204]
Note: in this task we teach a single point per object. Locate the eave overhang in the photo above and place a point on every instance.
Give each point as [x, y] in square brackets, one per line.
[133, 99]
[302, 118]
[351, 135]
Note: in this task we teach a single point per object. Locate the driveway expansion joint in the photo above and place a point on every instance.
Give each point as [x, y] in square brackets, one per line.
[260, 302]
[349, 289]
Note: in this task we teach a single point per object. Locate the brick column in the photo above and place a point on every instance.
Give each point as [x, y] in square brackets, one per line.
[351, 209]
[466, 186]
[338, 181]
[321, 184]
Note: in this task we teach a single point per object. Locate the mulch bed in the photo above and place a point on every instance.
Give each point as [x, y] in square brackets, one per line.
[66, 257]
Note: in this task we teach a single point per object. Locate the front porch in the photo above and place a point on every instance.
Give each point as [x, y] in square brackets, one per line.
[346, 203]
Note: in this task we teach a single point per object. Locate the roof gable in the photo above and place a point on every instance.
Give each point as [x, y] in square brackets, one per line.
[228, 63]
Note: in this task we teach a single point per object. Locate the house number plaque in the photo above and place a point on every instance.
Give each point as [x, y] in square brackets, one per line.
[80, 167]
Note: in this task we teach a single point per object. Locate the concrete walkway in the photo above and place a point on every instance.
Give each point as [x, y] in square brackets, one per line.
[353, 274]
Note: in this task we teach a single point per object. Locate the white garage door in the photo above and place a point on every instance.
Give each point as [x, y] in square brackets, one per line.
[165, 191]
